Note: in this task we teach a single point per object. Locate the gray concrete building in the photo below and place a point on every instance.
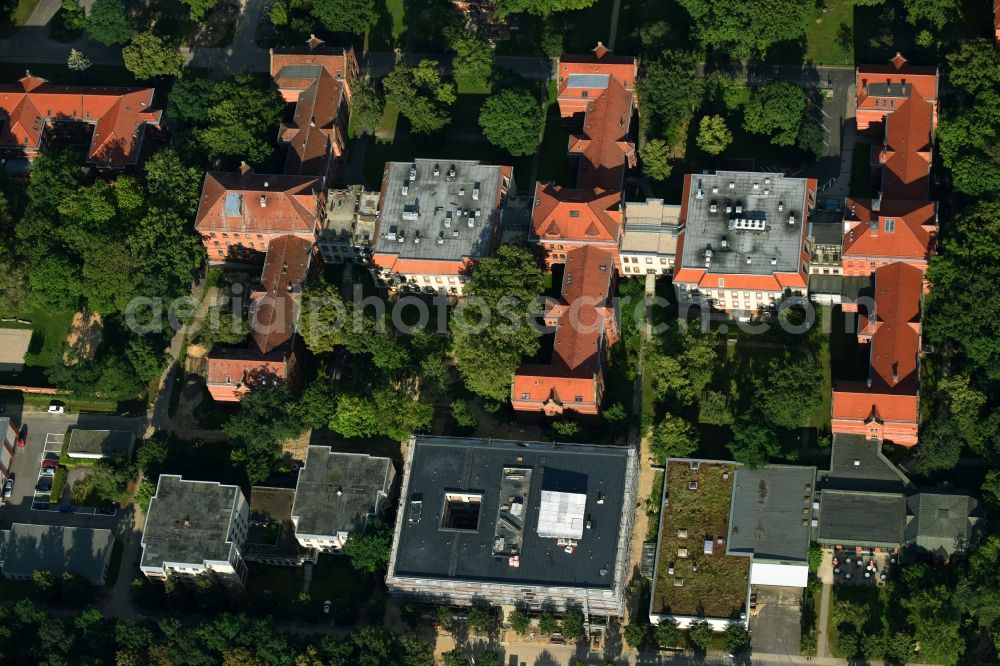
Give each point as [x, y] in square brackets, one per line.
[538, 524]
[59, 550]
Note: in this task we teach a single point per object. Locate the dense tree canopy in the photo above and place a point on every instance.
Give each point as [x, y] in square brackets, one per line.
[673, 437]
[148, 56]
[473, 61]
[265, 420]
[776, 109]
[512, 120]
[744, 28]
[353, 16]
[367, 105]
[655, 156]
[421, 95]
[500, 298]
[788, 390]
[713, 135]
[540, 7]
[108, 24]
[200, 8]
[753, 441]
[369, 550]
[669, 92]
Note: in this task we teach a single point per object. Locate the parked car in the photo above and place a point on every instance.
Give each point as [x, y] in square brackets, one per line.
[327, 607]
[41, 506]
[47, 471]
[56, 409]
[22, 435]
[44, 485]
[108, 509]
[8, 488]
[50, 463]
[67, 508]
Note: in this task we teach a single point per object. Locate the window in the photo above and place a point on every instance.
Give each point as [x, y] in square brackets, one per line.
[890, 225]
[722, 282]
[663, 261]
[525, 396]
[649, 260]
[585, 93]
[574, 213]
[451, 280]
[578, 398]
[758, 295]
[871, 264]
[438, 279]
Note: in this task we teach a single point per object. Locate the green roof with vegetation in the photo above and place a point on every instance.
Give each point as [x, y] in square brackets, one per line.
[690, 517]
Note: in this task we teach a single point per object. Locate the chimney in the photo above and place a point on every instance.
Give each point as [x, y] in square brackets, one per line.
[245, 169]
[263, 201]
[895, 372]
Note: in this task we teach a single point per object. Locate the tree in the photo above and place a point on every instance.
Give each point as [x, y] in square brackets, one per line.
[479, 618]
[965, 404]
[714, 409]
[667, 633]
[242, 119]
[940, 446]
[44, 580]
[566, 429]
[108, 24]
[655, 155]
[547, 624]
[937, 13]
[737, 638]
[713, 135]
[699, 634]
[463, 416]
[488, 351]
[367, 106]
[670, 91]
[324, 318]
[726, 90]
[223, 327]
[810, 138]
[753, 442]
[540, 7]
[318, 403]
[420, 95]
[636, 635]
[512, 120]
[848, 644]
[77, 61]
[776, 109]
[265, 420]
[353, 16]
[171, 183]
[473, 61]
[673, 438]
[572, 624]
[519, 622]
[74, 18]
[741, 29]
[455, 657]
[369, 550]
[788, 390]
[200, 8]
[148, 56]
[615, 415]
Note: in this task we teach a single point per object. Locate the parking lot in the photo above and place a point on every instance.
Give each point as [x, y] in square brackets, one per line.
[775, 625]
[30, 502]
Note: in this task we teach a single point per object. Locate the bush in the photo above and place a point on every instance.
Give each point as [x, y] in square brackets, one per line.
[636, 635]
[815, 559]
[699, 634]
[667, 633]
[547, 624]
[519, 622]
[480, 618]
[572, 624]
[58, 481]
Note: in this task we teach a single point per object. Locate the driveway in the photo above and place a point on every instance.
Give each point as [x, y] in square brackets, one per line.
[777, 627]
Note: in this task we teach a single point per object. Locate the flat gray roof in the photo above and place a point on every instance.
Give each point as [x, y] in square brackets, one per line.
[79, 550]
[339, 492]
[432, 217]
[826, 284]
[188, 522]
[771, 512]
[855, 518]
[100, 442]
[827, 233]
[651, 226]
[756, 226]
[503, 482]
[857, 463]
[945, 522]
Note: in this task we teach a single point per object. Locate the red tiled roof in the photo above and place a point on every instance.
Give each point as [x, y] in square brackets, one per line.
[604, 149]
[235, 366]
[119, 116]
[311, 132]
[290, 203]
[924, 80]
[914, 224]
[563, 213]
[906, 155]
[582, 325]
[894, 351]
[623, 69]
[338, 62]
[276, 309]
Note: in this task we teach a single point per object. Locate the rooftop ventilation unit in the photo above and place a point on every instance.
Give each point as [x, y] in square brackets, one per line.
[413, 173]
[749, 260]
[475, 192]
[437, 171]
[715, 189]
[447, 219]
[756, 186]
[406, 189]
[451, 172]
[791, 219]
[774, 261]
[440, 240]
[767, 181]
[472, 222]
[725, 242]
[767, 192]
[732, 184]
[461, 191]
[416, 237]
[713, 207]
[729, 208]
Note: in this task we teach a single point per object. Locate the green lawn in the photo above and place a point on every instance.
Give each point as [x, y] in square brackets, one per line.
[23, 10]
[397, 11]
[830, 36]
[719, 587]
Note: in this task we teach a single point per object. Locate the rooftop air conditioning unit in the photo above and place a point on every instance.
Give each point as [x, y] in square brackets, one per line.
[713, 207]
[791, 218]
[413, 173]
[781, 206]
[406, 189]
